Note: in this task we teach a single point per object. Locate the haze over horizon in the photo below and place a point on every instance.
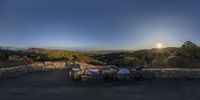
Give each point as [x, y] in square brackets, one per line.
[99, 24]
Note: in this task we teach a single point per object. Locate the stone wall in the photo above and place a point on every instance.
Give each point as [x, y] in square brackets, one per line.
[15, 71]
[181, 73]
[193, 73]
[20, 70]
[50, 65]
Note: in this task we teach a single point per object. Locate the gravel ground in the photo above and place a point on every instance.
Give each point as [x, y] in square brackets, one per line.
[53, 85]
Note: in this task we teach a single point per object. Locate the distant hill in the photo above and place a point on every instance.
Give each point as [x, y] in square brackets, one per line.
[40, 54]
[187, 56]
[10, 48]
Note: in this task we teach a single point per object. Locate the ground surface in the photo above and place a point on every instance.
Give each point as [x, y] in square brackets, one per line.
[54, 85]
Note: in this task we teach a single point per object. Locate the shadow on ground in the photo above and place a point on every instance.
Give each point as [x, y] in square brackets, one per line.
[53, 85]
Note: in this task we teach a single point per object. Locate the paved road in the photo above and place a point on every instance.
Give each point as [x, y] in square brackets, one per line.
[54, 85]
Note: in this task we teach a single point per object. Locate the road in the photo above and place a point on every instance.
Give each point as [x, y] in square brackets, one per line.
[54, 85]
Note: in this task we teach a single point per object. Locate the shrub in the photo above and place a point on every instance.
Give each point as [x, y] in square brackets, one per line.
[3, 56]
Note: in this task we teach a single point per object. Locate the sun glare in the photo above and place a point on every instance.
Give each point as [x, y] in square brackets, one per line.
[159, 45]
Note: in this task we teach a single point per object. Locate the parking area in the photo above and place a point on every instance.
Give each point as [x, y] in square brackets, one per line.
[53, 85]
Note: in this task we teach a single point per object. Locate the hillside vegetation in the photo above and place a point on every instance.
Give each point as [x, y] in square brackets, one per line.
[36, 54]
[186, 56]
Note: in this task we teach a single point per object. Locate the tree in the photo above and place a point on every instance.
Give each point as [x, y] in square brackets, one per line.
[190, 49]
[188, 44]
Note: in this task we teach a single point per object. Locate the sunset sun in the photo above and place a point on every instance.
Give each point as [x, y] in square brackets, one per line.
[159, 45]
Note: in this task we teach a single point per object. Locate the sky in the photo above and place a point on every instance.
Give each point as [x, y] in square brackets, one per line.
[99, 24]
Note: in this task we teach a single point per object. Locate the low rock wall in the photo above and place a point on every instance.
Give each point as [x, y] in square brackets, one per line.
[181, 73]
[14, 71]
[20, 70]
[193, 73]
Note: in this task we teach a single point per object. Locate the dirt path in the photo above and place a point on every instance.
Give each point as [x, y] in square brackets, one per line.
[54, 85]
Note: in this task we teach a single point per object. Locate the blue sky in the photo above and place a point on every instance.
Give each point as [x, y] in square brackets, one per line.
[98, 24]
